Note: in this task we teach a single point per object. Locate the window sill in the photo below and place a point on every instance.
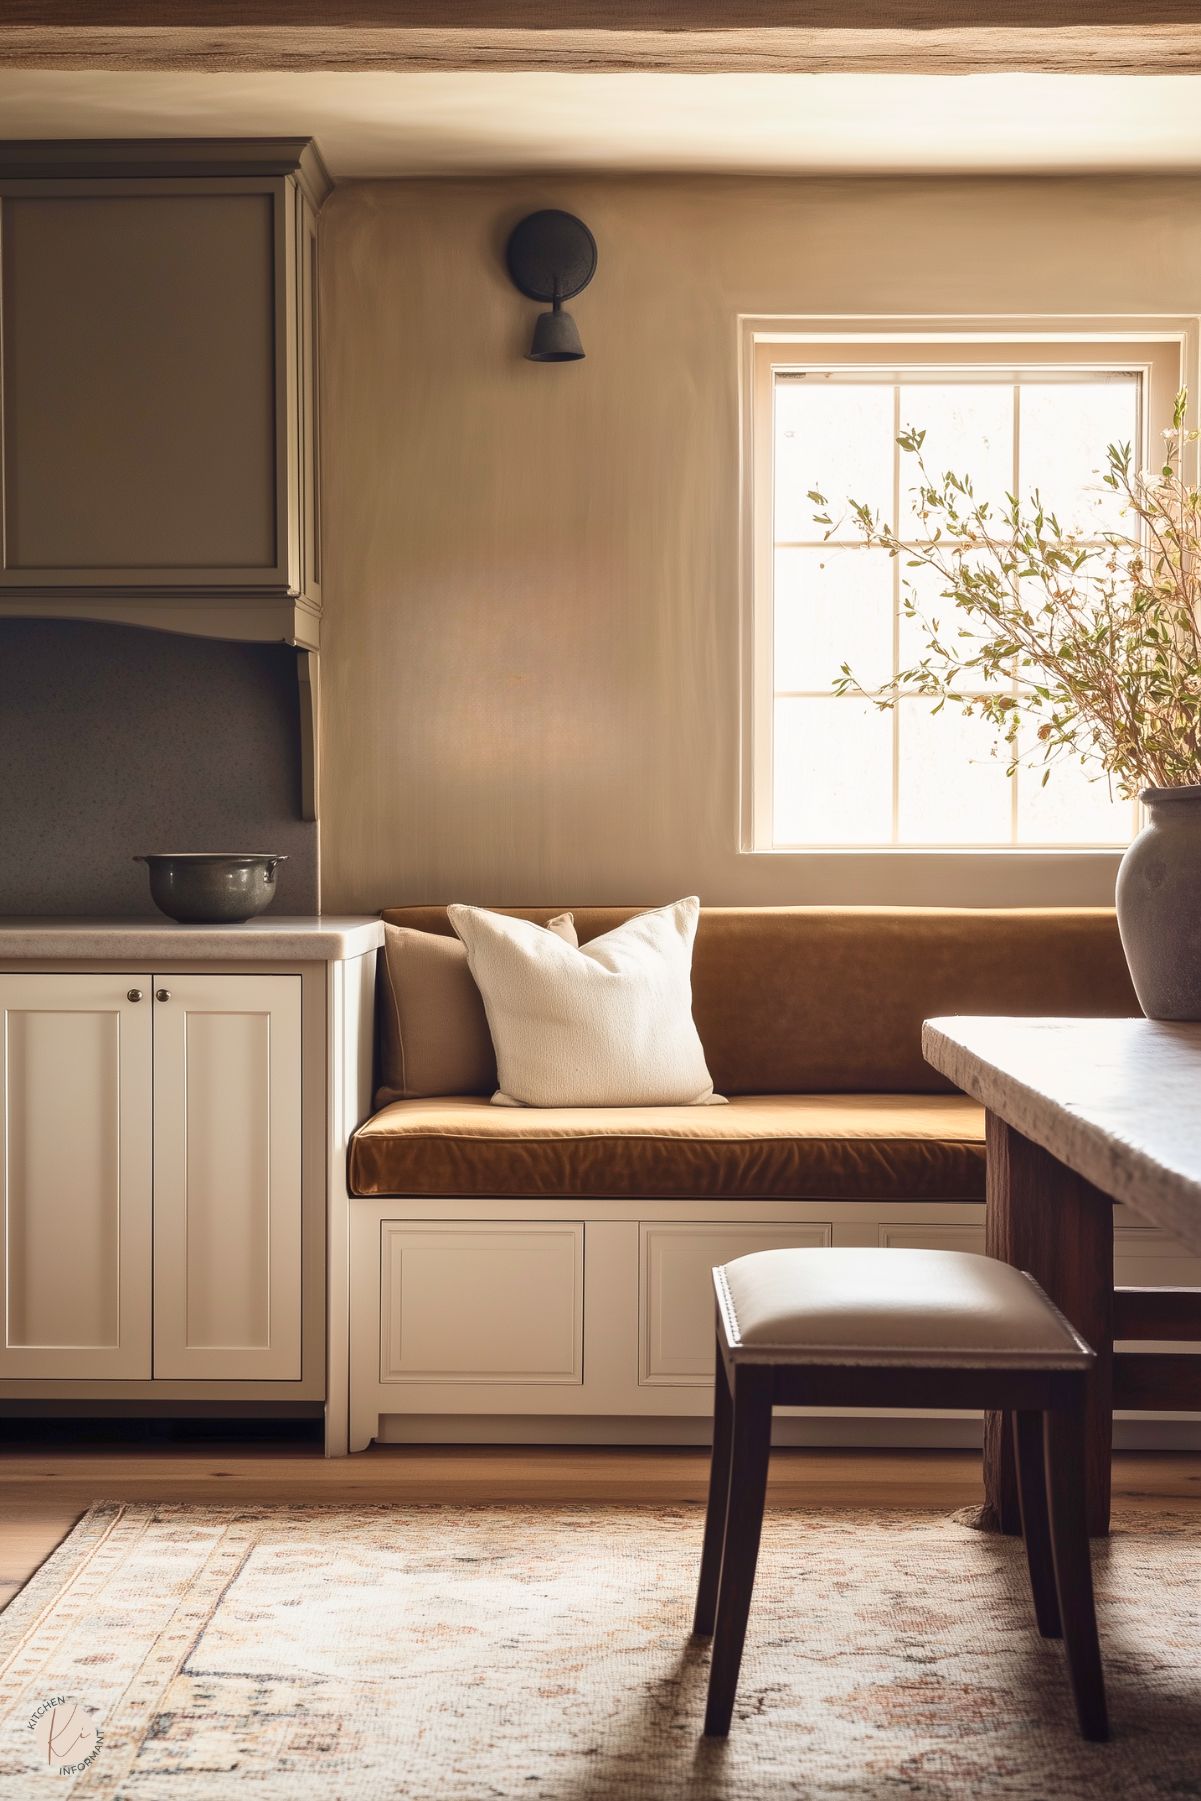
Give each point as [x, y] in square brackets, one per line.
[900, 877]
[1112, 853]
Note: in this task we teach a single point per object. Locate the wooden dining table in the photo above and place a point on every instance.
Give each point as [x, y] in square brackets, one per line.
[1080, 1114]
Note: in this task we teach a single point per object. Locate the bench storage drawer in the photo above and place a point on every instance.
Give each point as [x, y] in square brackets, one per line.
[676, 1303]
[481, 1301]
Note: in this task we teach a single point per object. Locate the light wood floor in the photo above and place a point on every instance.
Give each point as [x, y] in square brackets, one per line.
[44, 1489]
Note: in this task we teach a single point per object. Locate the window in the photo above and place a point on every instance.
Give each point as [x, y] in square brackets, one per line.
[833, 771]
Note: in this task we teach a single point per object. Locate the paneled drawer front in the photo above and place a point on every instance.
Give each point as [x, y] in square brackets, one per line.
[676, 1303]
[478, 1302]
[1145, 1257]
[933, 1238]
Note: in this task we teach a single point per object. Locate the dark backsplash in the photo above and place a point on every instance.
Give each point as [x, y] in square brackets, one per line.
[115, 741]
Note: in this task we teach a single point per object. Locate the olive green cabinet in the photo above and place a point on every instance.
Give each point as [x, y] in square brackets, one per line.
[158, 361]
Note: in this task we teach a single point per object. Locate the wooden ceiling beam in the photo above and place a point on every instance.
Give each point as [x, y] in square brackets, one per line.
[1135, 37]
[550, 18]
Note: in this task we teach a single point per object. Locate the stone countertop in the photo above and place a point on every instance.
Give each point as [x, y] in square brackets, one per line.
[328, 938]
[1116, 1100]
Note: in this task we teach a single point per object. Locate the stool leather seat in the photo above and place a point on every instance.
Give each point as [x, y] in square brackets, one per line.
[891, 1308]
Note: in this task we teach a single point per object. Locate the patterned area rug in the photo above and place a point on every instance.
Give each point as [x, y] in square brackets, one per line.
[463, 1654]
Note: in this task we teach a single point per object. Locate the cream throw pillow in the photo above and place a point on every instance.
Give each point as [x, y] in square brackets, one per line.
[434, 1036]
[606, 1025]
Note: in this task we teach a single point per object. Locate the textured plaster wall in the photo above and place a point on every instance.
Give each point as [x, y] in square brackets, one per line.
[532, 574]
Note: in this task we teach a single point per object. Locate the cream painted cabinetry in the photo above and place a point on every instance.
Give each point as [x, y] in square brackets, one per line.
[152, 1166]
[75, 1164]
[505, 1321]
[227, 1177]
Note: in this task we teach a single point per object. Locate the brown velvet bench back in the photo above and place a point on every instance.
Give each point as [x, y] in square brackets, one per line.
[830, 1000]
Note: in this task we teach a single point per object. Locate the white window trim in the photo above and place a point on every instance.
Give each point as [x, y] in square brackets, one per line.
[1169, 346]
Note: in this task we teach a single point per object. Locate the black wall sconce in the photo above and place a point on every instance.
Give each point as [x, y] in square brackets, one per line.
[552, 256]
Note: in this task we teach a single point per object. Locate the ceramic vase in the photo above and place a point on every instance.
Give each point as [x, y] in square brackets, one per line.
[1159, 904]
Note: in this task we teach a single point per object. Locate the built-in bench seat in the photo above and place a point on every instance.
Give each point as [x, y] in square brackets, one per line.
[545, 1273]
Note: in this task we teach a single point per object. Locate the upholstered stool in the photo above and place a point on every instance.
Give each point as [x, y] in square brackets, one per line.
[896, 1328]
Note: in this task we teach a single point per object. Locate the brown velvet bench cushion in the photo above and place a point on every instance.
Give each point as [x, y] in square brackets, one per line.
[842, 1147]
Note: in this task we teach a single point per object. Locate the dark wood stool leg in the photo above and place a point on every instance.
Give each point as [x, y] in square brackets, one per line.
[1036, 1524]
[750, 1449]
[719, 1499]
[1066, 1439]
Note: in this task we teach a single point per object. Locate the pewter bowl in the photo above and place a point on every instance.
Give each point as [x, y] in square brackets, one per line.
[212, 887]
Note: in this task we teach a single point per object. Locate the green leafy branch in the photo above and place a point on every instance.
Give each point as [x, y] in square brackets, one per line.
[1089, 641]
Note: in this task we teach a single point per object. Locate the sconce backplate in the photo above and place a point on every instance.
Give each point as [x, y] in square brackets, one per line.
[551, 253]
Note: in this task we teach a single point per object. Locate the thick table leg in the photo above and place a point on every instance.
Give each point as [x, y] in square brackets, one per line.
[1047, 1220]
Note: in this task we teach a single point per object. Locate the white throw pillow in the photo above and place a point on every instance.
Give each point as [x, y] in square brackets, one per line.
[606, 1025]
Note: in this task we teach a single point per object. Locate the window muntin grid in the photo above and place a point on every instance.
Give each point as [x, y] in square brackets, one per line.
[865, 769]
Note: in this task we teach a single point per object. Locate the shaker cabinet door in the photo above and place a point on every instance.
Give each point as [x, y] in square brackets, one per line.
[143, 411]
[75, 1169]
[227, 1177]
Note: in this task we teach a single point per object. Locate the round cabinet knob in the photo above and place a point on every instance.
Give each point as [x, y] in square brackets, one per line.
[162, 994]
[134, 994]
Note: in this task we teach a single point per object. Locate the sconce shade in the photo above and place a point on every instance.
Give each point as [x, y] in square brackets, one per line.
[556, 339]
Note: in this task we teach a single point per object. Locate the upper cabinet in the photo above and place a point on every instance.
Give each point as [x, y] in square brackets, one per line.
[158, 373]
